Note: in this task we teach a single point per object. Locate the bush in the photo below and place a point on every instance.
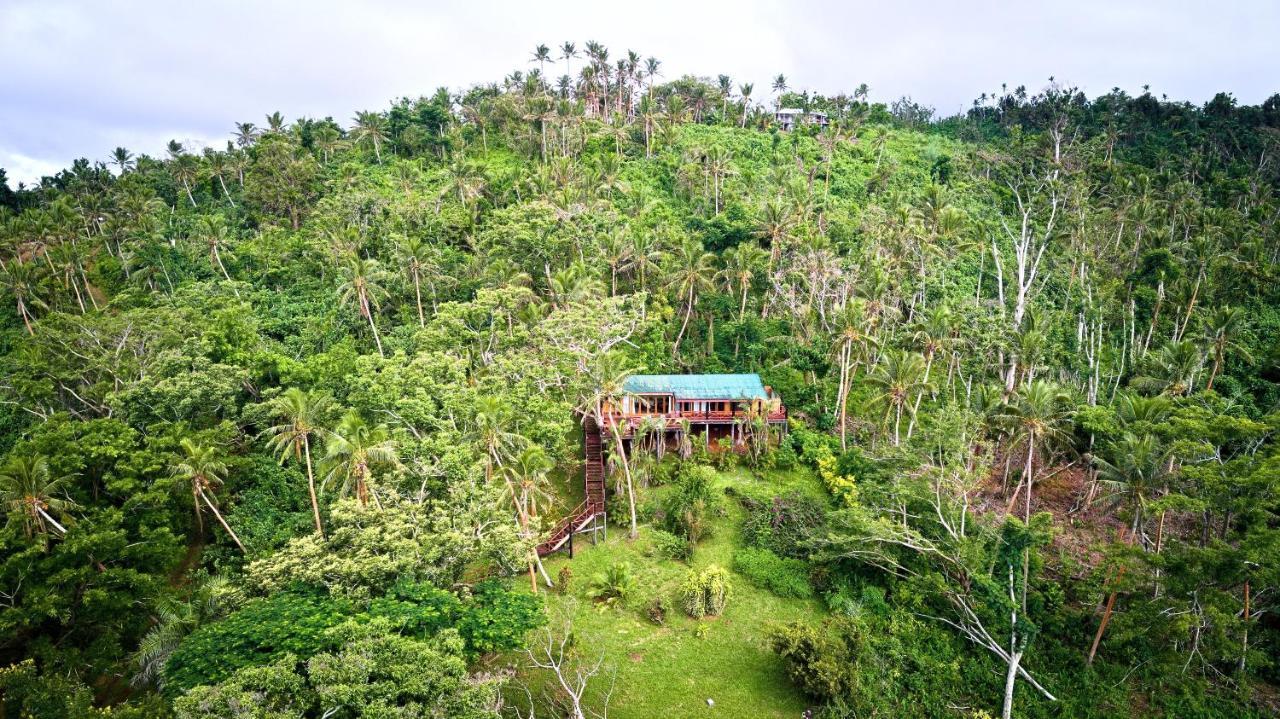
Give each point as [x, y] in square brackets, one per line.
[685, 510]
[564, 579]
[670, 546]
[782, 576]
[613, 585]
[781, 524]
[496, 619]
[656, 610]
[705, 593]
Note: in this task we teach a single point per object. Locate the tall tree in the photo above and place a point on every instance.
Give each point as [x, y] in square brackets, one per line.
[303, 415]
[201, 465]
[31, 493]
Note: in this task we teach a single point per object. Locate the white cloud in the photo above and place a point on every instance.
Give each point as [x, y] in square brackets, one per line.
[83, 77]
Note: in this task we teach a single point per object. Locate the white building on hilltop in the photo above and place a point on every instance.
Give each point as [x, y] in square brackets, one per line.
[789, 117]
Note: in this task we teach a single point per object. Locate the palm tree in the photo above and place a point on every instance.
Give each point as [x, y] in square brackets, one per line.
[720, 165]
[779, 86]
[246, 134]
[371, 129]
[851, 344]
[567, 51]
[541, 54]
[492, 432]
[899, 375]
[22, 279]
[354, 447]
[303, 414]
[1134, 470]
[741, 262]
[201, 466]
[184, 169]
[1174, 369]
[213, 231]
[526, 484]
[775, 228]
[692, 273]
[416, 256]
[363, 289]
[1222, 330]
[934, 335]
[1037, 415]
[745, 90]
[174, 621]
[123, 159]
[608, 375]
[28, 490]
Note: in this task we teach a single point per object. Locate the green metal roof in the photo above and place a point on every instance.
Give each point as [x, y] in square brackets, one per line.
[698, 386]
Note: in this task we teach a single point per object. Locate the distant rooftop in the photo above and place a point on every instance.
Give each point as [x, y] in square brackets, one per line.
[698, 386]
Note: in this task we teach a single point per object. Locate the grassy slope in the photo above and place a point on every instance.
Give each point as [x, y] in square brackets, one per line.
[668, 671]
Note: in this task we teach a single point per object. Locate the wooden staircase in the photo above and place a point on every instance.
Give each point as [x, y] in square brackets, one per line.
[585, 515]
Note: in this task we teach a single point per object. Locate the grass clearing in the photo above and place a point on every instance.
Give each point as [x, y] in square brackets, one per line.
[670, 671]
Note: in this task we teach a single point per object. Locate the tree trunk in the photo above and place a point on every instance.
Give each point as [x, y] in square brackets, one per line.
[311, 485]
[417, 293]
[1010, 679]
[222, 521]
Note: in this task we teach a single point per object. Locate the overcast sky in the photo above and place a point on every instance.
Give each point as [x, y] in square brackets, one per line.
[79, 78]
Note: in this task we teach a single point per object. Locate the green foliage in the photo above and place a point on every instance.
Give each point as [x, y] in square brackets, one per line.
[783, 576]
[671, 546]
[686, 508]
[496, 619]
[705, 593]
[614, 585]
[782, 524]
[264, 630]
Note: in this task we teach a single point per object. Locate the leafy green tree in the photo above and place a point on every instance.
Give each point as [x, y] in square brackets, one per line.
[899, 376]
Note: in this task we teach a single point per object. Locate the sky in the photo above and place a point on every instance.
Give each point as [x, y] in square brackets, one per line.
[78, 79]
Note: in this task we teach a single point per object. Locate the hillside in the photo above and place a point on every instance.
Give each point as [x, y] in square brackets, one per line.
[282, 422]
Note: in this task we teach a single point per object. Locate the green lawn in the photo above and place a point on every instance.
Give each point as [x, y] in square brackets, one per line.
[668, 671]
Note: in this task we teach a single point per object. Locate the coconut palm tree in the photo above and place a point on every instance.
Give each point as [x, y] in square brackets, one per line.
[607, 377]
[541, 55]
[568, 51]
[353, 448]
[775, 227]
[934, 334]
[741, 263]
[246, 134]
[851, 344]
[123, 159]
[29, 490]
[213, 230]
[200, 465]
[1036, 416]
[692, 273]
[370, 129]
[363, 288]
[491, 430]
[898, 377]
[779, 87]
[416, 256]
[22, 280]
[527, 484]
[174, 621]
[302, 415]
[1133, 469]
[1222, 329]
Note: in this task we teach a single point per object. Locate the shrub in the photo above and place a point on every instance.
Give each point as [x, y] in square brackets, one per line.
[656, 610]
[496, 619]
[783, 576]
[705, 593]
[781, 524]
[685, 510]
[564, 579]
[614, 584]
[670, 546]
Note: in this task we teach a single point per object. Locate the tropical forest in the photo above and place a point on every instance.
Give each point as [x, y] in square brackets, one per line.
[290, 425]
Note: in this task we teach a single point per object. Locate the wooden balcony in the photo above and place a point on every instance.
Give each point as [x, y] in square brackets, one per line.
[628, 422]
